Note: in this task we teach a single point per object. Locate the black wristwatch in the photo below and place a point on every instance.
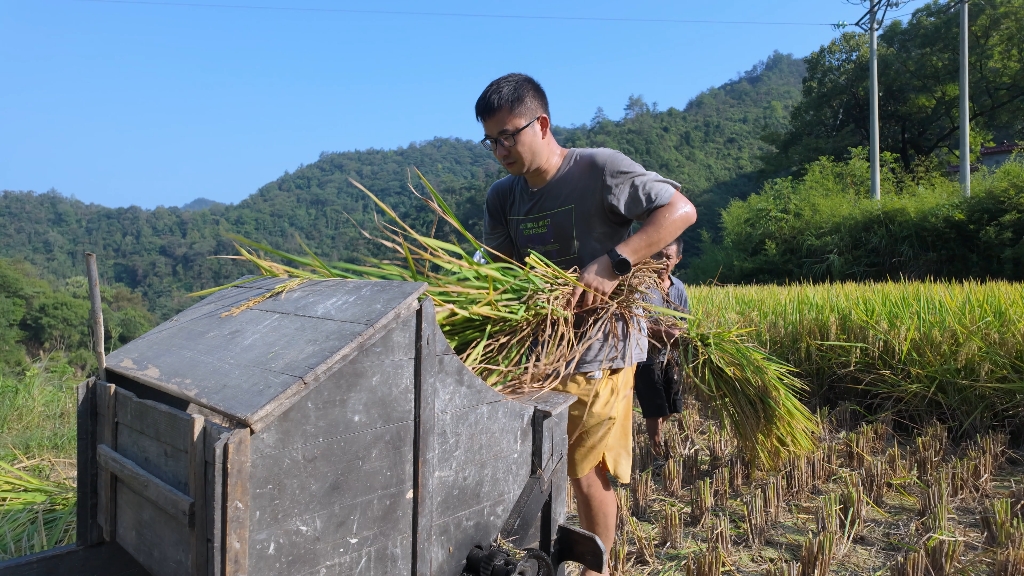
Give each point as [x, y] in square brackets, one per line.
[620, 264]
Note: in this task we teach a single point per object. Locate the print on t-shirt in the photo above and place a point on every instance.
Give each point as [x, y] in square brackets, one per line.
[551, 234]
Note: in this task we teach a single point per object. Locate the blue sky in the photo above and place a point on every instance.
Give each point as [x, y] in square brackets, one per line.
[157, 104]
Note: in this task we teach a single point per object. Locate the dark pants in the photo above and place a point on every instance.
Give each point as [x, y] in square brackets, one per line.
[658, 390]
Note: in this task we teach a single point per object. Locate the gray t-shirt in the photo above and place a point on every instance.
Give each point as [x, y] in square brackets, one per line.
[676, 299]
[585, 210]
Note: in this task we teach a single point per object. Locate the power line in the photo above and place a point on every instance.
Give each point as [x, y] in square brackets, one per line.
[452, 14]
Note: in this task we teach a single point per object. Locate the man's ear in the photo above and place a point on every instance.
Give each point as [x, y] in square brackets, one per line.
[545, 126]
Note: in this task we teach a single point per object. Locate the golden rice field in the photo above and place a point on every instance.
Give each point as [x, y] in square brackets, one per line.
[951, 351]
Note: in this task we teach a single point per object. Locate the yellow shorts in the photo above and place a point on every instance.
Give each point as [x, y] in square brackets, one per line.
[601, 422]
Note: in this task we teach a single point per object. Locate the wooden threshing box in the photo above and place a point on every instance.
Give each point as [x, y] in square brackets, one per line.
[328, 430]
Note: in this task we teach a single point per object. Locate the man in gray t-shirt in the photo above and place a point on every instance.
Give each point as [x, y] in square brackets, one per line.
[583, 211]
[576, 207]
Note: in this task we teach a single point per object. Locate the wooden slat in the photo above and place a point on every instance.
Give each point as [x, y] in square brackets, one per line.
[307, 545]
[213, 435]
[152, 536]
[197, 490]
[176, 504]
[106, 513]
[89, 530]
[165, 462]
[236, 525]
[462, 389]
[170, 426]
[106, 559]
[423, 438]
[215, 498]
[291, 485]
[384, 389]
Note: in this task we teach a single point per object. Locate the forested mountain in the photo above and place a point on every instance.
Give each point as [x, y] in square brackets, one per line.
[711, 147]
[201, 204]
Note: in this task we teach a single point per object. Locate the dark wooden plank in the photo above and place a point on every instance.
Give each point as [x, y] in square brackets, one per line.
[106, 513]
[454, 537]
[214, 435]
[462, 389]
[559, 486]
[236, 495]
[474, 442]
[426, 384]
[159, 541]
[548, 402]
[210, 307]
[197, 491]
[388, 558]
[89, 530]
[234, 365]
[397, 343]
[146, 392]
[170, 426]
[250, 366]
[319, 540]
[354, 399]
[299, 482]
[105, 559]
[165, 462]
[552, 409]
[327, 369]
[360, 301]
[215, 498]
[178, 506]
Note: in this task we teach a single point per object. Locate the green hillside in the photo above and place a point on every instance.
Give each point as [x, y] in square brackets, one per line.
[711, 146]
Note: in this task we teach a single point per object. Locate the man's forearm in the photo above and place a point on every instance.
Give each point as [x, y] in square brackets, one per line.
[662, 227]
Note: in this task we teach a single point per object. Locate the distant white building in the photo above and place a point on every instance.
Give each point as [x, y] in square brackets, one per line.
[992, 157]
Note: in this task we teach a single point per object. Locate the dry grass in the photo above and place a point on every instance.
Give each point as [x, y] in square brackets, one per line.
[857, 505]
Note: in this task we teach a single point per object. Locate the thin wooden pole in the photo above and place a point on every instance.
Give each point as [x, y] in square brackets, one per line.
[965, 105]
[96, 314]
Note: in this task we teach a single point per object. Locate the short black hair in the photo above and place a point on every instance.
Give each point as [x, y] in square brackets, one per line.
[678, 243]
[517, 93]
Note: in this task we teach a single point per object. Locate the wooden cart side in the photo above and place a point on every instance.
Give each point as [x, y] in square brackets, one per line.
[236, 501]
[104, 559]
[89, 530]
[423, 438]
[216, 441]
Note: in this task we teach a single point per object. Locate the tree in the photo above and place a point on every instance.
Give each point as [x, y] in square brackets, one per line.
[918, 86]
[635, 106]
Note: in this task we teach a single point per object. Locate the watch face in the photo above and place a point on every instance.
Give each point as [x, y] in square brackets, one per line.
[621, 266]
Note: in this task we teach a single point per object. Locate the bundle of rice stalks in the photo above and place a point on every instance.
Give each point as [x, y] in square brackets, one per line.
[511, 323]
[753, 393]
[36, 514]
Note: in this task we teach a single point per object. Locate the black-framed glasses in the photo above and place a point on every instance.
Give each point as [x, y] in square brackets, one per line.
[507, 140]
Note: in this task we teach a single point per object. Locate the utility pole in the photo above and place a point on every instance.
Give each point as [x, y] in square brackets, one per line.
[876, 178]
[871, 22]
[965, 111]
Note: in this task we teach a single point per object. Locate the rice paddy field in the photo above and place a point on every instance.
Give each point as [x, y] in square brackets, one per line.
[919, 390]
[920, 351]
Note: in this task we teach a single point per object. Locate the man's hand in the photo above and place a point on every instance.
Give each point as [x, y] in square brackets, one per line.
[599, 279]
[664, 333]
